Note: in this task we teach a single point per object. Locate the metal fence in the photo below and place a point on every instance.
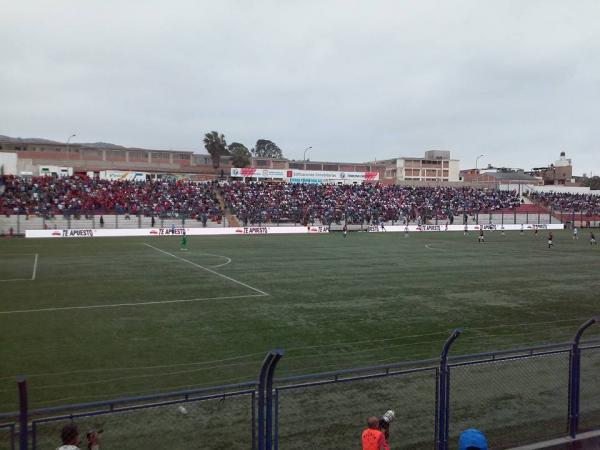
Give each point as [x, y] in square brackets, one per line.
[513, 396]
[17, 224]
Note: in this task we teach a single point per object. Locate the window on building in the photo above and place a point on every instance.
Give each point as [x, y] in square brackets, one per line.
[160, 156]
[116, 154]
[138, 154]
[93, 154]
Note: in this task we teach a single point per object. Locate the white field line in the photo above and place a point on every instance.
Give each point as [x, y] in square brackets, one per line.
[262, 293]
[35, 261]
[218, 256]
[118, 305]
[220, 265]
[259, 293]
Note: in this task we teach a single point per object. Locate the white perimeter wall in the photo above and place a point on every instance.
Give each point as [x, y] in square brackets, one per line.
[240, 231]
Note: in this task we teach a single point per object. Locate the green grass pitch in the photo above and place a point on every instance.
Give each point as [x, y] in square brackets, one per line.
[94, 319]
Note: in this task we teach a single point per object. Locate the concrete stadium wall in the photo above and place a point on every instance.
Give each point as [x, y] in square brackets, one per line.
[20, 224]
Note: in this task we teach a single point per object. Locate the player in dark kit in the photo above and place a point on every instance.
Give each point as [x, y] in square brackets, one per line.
[481, 237]
[345, 230]
[550, 240]
[593, 239]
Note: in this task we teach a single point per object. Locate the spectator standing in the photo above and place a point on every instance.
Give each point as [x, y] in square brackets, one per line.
[372, 438]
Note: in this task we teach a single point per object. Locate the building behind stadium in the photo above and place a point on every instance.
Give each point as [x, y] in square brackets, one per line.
[35, 157]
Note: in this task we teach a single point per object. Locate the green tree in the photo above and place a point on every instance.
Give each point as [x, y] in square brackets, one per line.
[267, 149]
[241, 155]
[216, 146]
[593, 183]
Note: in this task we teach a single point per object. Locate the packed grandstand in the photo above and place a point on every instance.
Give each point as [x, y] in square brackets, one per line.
[261, 202]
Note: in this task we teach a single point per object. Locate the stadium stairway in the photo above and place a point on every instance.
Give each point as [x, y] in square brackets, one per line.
[230, 218]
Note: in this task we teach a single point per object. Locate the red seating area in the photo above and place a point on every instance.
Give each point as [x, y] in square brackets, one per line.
[47, 196]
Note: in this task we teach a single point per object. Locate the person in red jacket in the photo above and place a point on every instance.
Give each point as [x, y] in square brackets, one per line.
[372, 438]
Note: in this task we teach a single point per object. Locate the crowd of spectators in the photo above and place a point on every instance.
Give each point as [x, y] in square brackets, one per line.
[564, 202]
[365, 203]
[260, 203]
[48, 196]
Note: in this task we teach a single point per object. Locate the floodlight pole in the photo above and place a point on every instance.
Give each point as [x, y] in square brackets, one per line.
[477, 161]
[305, 150]
[69, 141]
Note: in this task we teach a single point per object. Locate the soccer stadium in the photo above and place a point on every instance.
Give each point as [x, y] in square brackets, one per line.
[406, 258]
[154, 304]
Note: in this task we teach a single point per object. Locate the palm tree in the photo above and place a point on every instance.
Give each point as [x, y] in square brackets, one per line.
[215, 146]
[241, 155]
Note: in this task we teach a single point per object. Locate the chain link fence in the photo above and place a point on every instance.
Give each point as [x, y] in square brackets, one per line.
[513, 400]
[7, 437]
[589, 416]
[514, 397]
[224, 422]
[17, 224]
[331, 414]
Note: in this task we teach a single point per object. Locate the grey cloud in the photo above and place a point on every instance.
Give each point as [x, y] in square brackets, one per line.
[356, 80]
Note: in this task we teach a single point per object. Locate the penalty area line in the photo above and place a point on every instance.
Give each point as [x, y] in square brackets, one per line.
[119, 305]
[35, 261]
[33, 275]
[262, 293]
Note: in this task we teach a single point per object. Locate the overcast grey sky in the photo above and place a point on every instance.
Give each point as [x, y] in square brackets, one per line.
[516, 80]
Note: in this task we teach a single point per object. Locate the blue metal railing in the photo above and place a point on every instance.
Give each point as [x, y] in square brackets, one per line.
[264, 393]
